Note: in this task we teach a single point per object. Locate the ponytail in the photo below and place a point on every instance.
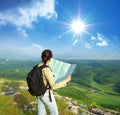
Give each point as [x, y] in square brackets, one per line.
[46, 55]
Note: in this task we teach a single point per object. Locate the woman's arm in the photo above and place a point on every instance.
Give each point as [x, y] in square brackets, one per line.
[49, 76]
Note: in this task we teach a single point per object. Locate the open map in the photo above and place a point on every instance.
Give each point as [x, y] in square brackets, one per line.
[61, 69]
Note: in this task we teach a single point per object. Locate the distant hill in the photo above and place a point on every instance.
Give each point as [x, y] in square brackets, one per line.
[87, 71]
[94, 82]
[15, 69]
[104, 72]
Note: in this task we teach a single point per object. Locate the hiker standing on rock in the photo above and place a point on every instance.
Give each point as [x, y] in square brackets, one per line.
[48, 98]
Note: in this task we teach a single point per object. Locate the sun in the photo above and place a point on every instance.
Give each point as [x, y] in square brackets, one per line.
[78, 26]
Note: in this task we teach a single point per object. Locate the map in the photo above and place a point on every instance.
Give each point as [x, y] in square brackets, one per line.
[61, 69]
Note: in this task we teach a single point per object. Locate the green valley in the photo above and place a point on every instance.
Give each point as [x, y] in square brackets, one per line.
[94, 82]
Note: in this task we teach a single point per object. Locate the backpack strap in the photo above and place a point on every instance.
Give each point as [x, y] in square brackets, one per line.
[44, 66]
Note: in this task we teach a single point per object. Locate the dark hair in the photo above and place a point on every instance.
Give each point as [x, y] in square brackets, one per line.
[46, 55]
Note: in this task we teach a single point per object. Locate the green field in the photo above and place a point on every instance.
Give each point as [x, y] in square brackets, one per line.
[109, 100]
[21, 102]
[94, 82]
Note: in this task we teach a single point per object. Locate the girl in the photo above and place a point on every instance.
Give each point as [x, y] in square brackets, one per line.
[48, 77]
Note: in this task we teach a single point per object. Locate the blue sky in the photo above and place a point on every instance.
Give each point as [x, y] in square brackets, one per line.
[27, 27]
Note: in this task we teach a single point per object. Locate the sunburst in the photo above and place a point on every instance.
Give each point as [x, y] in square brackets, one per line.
[78, 26]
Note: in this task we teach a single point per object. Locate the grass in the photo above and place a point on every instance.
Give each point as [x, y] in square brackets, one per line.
[7, 106]
[104, 88]
[102, 96]
[106, 100]
[106, 97]
[106, 72]
[61, 108]
[73, 91]
[109, 100]
[21, 102]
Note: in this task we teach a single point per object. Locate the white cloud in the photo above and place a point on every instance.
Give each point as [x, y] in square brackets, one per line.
[75, 41]
[25, 16]
[87, 45]
[37, 46]
[22, 32]
[101, 41]
[33, 50]
[28, 52]
[93, 38]
[2, 20]
[99, 37]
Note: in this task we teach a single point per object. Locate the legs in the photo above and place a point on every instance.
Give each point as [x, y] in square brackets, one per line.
[41, 107]
[44, 100]
[52, 106]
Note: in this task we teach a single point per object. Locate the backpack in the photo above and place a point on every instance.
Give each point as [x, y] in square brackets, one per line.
[35, 82]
